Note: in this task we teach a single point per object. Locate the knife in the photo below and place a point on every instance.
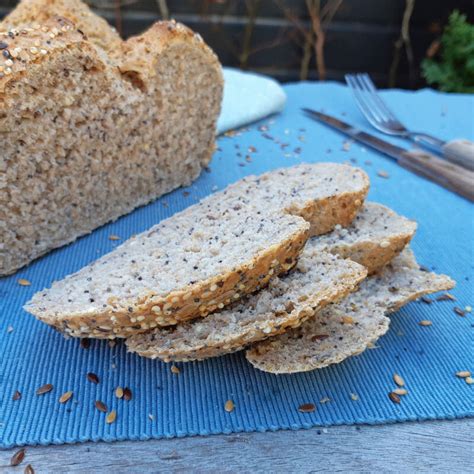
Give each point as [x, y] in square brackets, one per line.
[446, 174]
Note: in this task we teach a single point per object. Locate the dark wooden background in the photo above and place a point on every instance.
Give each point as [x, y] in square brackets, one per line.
[268, 35]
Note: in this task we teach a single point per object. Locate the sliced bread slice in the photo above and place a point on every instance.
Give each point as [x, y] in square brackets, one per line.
[202, 259]
[372, 239]
[375, 237]
[318, 279]
[349, 327]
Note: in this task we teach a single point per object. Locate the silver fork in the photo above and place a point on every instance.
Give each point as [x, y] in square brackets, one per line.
[375, 110]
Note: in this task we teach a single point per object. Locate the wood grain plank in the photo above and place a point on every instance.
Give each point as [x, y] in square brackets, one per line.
[441, 446]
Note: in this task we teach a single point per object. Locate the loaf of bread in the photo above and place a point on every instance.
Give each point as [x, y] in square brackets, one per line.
[374, 237]
[93, 126]
[205, 257]
[349, 327]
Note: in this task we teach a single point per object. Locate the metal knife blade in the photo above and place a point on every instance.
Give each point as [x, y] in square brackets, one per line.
[384, 147]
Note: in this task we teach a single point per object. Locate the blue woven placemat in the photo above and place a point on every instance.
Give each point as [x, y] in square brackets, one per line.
[166, 404]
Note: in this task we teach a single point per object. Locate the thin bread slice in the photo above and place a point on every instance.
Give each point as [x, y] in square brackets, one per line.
[318, 279]
[349, 327]
[375, 237]
[204, 258]
[375, 229]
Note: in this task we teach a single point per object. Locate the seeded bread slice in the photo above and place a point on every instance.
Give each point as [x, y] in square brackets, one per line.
[204, 258]
[349, 327]
[375, 235]
[318, 279]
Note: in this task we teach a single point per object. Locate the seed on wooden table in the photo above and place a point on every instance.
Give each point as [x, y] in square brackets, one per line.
[175, 369]
[111, 417]
[18, 457]
[24, 282]
[29, 469]
[462, 374]
[119, 392]
[101, 406]
[65, 396]
[229, 406]
[307, 408]
[469, 380]
[16, 395]
[92, 377]
[398, 380]
[394, 397]
[400, 391]
[459, 311]
[44, 389]
[127, 394]
[426, 322]
[85, 343]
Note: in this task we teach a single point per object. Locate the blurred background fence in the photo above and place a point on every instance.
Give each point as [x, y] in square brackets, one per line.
[303, 39]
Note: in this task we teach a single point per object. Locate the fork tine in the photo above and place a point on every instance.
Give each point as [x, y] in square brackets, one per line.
[377, 99]
[370, 99]
[360, 100]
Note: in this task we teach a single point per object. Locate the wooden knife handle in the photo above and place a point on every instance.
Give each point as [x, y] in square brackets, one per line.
[461, 152]
[442, 172]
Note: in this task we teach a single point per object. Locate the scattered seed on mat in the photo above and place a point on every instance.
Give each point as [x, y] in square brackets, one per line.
[16, 395]
[394, 397]
[18, 457]
[446, 297]
[127, 394]
[44, 389]
[101, 406]
[469, 380]
[459, 311]
[65, 396]
[306, 408]
[85, 343]
[354, 397]
[462, 374]
[111, 417]
[92, 377]
[24, 282]
[119, 392]
[229, 406]
[383, 174]
[400, 391]
[468, 309]
[29, 469]
[175, 369]
[426, 322]
[114, 237]
[398, 380]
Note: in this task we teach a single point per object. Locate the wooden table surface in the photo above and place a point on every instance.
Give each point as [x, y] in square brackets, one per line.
[441, 446]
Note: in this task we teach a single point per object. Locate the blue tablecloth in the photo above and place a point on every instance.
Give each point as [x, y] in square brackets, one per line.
[166, 404]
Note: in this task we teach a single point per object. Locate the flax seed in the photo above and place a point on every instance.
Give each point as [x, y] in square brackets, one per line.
[101, 406]
[16, 396]
[18, 457]
[24, 282]
[119, 392]
[394, 397]
[175, 369]
[111, 417]
[65, 396]
[229, 406]
[307, 408]
[459, 311]
[469, 380]
[425, 322]
[462, 374]
[44, 389]
[400, 391]
[93, 378]
[114, 237]
[398, 380]
[383, 174]
[29, 469]
[127, 394]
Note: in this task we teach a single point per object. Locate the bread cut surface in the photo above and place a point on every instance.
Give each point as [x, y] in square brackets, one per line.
[375, 235]
[318, 279]
[88, 136]
[209, 255]
[347, 328]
